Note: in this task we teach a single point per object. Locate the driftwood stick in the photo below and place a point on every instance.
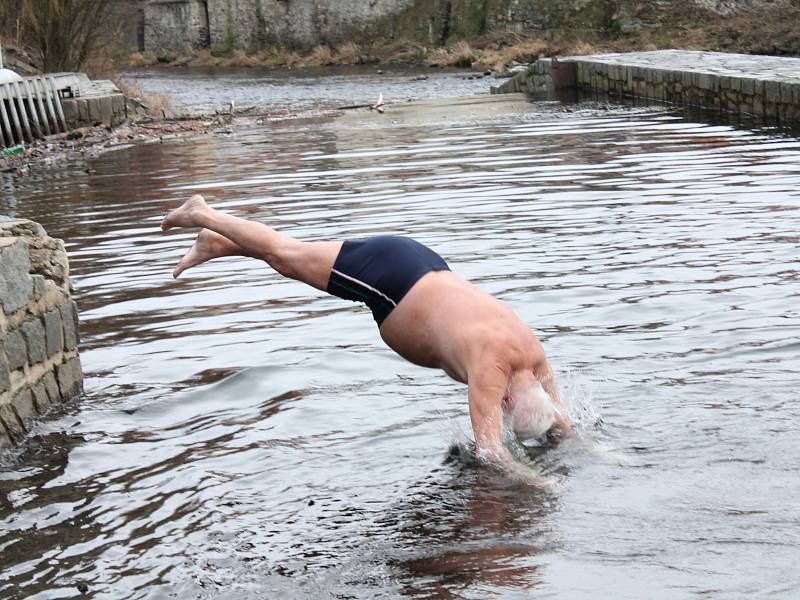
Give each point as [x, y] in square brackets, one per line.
[354, 106]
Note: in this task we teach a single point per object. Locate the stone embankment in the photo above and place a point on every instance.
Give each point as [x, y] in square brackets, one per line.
[766, 87]
[39, 363]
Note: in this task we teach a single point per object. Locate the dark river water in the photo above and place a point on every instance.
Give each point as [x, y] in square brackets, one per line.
[244, 436]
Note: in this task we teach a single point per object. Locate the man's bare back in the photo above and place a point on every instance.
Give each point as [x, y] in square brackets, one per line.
[441, 321]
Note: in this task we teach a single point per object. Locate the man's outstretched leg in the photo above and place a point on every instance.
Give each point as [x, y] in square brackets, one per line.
[207, 246]
[309, 262]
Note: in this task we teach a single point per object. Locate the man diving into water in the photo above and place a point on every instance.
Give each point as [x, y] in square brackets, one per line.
[425, 312]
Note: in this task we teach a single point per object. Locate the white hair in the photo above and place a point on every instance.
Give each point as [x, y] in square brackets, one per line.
[531, 412]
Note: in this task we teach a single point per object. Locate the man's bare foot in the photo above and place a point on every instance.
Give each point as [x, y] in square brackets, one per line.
[185, 215]
[207, 246]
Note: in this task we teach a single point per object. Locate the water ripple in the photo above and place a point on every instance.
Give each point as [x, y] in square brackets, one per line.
[245, 434]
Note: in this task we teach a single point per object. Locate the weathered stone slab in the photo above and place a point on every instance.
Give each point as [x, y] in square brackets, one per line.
[51, 387]
[20, 228]
[787, 96]
[5, 377]
[48, 258]
[41, 400]
[772, 91]
[54, 335]
[10, 422]
[70, 378]
[33, 332]
[23, 406]
[69, 319]
[16, 350]
[39, 286]
[71, 115]
[16, 286]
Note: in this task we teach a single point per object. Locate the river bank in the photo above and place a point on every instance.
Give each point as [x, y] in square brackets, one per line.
[757, 29]
[91, 142]
[235, 99]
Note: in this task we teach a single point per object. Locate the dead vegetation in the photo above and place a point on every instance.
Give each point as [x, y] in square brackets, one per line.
[481, 55]
[153, 105]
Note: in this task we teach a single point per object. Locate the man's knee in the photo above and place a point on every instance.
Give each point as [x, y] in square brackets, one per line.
[309, 262]
[287, 258]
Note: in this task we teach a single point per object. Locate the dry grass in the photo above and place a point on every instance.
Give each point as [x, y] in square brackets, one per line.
[142, 59]
[523, 52]
[292, 60]
[495, 51]
[459, 54]
[348, 54]
[239, 58]
[203, 58]
[271, 57]
[157, 104]
[320, 56]
[499, 51]
[402, 51]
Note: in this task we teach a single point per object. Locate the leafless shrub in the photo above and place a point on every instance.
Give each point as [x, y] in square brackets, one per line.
[156, 104]
[239, 58]
[459, 54]
[348, 54]
[142, 59]
[66, 33]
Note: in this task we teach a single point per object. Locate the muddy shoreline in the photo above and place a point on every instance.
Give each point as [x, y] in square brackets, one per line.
[166, 108]
[91, 142]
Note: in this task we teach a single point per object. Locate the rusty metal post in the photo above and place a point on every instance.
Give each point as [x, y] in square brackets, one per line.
[57, 101]
[35, 83]
[23, 112]
[2, 135]
[51, 111]
[32, 107]
[13, 110]
[6, 123]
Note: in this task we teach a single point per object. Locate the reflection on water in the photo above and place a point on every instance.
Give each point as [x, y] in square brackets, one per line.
[245, 434]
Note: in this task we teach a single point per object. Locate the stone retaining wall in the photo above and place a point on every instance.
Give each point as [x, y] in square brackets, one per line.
[542, 78]
[110, 110]
[39, 363]
[175, 26]
[763, 86]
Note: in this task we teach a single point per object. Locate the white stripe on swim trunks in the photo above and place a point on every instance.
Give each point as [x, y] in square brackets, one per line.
[361, 283]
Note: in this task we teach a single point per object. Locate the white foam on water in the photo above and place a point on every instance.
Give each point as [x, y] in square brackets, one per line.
[578, 400]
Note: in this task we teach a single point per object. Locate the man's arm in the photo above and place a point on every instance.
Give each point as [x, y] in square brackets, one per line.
[486, 390]
[487, 386]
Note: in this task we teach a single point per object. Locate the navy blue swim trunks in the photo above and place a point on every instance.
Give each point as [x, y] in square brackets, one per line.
[380, 270]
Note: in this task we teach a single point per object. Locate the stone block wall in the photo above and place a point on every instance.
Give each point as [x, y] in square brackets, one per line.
[108, 110]
[293, 23]
[765, 87]
[544, 79]
[769, 99]
[39, 363]
[173, 27]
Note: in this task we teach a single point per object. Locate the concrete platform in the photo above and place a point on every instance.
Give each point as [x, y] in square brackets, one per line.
[764, 86]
